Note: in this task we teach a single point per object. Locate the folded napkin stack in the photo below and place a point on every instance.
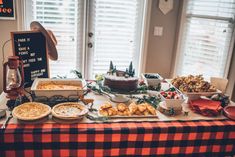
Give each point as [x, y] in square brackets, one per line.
[206, 107]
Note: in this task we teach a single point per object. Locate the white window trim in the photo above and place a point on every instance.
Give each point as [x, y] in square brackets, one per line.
[179, 43]
[145, 36]
[143, 43]
[85, 40]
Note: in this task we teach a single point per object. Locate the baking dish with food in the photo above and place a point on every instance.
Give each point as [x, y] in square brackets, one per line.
[63, 87]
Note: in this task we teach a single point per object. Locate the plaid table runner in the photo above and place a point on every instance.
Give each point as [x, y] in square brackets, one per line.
[175, 138]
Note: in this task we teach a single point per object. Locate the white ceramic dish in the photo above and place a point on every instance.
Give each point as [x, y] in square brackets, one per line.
[174, 103]
[63, 92]
[195, 96]
[152, 81]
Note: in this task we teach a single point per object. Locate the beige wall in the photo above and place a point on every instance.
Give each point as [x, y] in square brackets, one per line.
[161, 48]
[6, 26]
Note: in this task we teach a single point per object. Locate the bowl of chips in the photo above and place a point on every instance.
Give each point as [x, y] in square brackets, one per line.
[194, 86]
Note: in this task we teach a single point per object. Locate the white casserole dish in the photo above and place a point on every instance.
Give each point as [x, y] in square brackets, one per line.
[152, 81]
[62, 92]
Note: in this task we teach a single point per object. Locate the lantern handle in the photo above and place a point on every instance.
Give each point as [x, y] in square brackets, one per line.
[22, 73]
[3, 48]
[4, 79]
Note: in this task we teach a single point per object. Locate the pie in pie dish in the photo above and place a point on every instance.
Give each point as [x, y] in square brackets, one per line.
[31, 111]
[69, 110]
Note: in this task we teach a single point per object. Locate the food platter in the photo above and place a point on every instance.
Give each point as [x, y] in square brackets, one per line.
[69, 111]
[31, 111]
[193, 86]
[122, 110]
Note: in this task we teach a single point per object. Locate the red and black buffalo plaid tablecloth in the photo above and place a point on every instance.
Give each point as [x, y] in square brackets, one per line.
[175, 138]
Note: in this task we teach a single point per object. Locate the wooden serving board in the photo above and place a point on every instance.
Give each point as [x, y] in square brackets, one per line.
[135, 116]
[132, 116]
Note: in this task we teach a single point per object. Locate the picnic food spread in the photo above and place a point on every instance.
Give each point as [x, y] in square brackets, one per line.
[168, 99]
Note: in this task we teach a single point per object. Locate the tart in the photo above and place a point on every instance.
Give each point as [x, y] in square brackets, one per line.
[69, 110]
[31, 111]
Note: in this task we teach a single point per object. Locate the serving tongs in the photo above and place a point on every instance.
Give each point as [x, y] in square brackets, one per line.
[117, 98]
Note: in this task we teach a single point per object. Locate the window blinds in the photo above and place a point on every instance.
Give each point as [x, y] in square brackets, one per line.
[206, 38]
[64, 18]
[116, 27]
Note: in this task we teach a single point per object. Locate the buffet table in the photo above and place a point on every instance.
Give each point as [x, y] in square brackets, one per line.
[204, 137]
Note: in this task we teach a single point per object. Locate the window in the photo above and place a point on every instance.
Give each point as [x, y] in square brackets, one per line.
[206, 38]
[65, 19]
[115, 26]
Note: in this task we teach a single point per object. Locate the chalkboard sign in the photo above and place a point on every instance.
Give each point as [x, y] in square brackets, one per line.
[31, 49]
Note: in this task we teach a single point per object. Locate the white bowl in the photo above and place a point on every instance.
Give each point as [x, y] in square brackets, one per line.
[152, 81]
[174, 103]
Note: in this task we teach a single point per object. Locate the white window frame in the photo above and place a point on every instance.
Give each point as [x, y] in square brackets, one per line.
[22, 25]
[179, 43]
[145, 36]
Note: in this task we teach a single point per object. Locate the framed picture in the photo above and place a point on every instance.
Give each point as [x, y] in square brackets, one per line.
[7, 9]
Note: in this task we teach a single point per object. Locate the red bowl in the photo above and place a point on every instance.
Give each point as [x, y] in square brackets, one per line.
[229, 111]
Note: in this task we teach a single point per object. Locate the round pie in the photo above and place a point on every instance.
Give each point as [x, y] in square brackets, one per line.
[69, 110]
[31, 111]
